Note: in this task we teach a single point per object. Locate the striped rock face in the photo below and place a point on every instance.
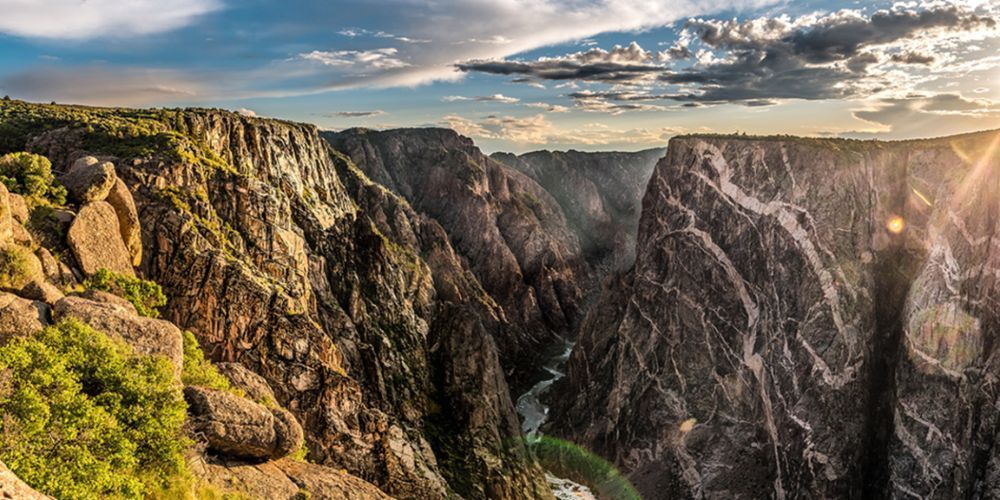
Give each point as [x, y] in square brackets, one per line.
[805, 318]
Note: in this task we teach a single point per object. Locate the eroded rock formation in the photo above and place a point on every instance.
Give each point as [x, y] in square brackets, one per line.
[805, 318]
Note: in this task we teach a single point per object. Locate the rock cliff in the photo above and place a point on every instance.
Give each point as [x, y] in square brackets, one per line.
[279, 254]
[600, 194]
[509, 230]
[805, 318]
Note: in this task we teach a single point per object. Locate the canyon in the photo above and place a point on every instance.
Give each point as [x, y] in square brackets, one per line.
[748, 316]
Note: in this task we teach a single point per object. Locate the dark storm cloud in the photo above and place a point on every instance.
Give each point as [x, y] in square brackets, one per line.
[759, 60]
[912, 58]
[769, 59]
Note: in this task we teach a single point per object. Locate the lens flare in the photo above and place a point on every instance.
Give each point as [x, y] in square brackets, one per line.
[895, 224]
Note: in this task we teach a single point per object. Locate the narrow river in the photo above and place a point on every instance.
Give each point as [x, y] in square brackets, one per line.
[534, 413]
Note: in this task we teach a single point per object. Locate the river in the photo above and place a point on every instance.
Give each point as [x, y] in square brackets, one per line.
[534, 413]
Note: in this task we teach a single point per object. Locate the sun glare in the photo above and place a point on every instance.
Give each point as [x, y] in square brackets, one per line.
[895, 224]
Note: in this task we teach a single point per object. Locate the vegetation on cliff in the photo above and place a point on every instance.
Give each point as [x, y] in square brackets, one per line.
[30, 175]
[147, 296]
[86, 418]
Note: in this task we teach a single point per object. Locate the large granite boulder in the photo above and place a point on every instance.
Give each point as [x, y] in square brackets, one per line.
[94, 239]
[20, 317]
[88, 180]
[237, 427]
[147, 336]
[128, 219]
[6, 219]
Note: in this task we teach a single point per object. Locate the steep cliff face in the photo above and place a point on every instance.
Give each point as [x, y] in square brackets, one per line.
[804, 319]
[281, 255]
[509, 230]
[600, 194]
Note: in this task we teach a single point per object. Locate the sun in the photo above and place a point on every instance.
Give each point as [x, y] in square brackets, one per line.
[895, 224]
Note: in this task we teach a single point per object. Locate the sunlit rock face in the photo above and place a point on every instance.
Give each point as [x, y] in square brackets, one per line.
[821, 347]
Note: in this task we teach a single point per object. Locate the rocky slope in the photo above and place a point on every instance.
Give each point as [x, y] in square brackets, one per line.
[509, 230]
[600, 194]
[805, 318]
[279, 254]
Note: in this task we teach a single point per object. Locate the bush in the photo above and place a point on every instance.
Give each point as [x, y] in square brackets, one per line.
[83, 417]
[31, 175]
[17, 267]
[199, 371]
[145, 295]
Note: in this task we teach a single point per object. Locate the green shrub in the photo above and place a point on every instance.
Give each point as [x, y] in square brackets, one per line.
[83, 417]
[17, 267]
[145, 295]
[31, 175]
[199, 371]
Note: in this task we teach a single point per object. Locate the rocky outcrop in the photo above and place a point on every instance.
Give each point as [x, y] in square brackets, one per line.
[238, 427]
[600, 194]
[11, 487]
[146, 336]
[805, 318]
[509, 229]
[330, 294]
[121, 201]
[284, 479]
[94, 239]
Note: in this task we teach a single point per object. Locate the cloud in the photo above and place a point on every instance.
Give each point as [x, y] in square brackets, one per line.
[619, 64]
[78, 20]
[247, 112]
[360, 32]
[817, 57]
[926, 116]
[515, 26]
[912, 58]
[483, 98]
[100, 86]
[759, 61]
[379, 59]
[355, 114]
[551, 108]
[537, 130]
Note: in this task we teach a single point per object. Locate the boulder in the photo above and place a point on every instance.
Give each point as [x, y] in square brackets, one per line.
[109, 298]
[237, 427]
[283, 479]
[93, 238]
[6, 220]
[253, 385]
[128, 219]
[18, 208]
[87, 182]
[12, 487]
[147, 336]
[21, 236]
[43, 291]
[20, 317]
[55, 270]
[18, 267]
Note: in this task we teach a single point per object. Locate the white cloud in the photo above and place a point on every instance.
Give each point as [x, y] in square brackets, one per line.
[483, 98]
[79, 19]
[247, 112]
[551, 108]
[381, 59]
[537, 130]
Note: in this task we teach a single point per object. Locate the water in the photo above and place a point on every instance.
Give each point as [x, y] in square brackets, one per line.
[534, 413]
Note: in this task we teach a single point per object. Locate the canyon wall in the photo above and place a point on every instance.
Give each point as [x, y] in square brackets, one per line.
[805, 318]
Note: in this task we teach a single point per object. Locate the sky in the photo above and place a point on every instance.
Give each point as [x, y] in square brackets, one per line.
[522, 75]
